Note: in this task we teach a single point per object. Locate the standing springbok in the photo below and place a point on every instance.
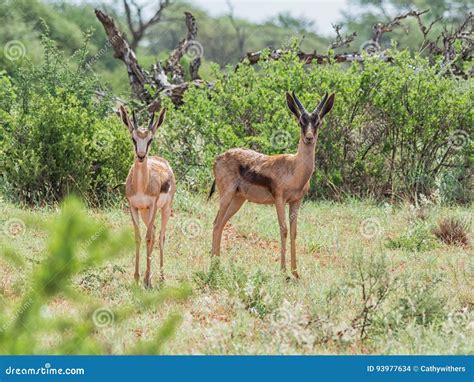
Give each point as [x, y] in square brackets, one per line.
[150, 186]
[242, 174]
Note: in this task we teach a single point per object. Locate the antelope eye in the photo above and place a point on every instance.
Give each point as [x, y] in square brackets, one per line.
[315, 120]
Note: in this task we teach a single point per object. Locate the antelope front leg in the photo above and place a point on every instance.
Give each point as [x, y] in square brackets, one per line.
[150, 241]
[280, 207]
[294, 208]
[136, 228]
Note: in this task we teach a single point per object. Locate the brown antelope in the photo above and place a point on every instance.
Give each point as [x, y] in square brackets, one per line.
[150, 186]
[242, 174]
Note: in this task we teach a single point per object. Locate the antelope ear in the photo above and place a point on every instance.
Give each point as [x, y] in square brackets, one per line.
[124, 117]
[292, 105]
[159, 121]
[327, 105]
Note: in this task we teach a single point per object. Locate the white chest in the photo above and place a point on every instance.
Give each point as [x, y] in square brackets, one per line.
[142, 201]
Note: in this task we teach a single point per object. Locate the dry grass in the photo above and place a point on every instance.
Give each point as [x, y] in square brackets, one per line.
[247, 306]
[453, 231]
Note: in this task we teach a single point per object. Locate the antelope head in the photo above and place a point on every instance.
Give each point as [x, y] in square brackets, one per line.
[309, 122]
[141, 137]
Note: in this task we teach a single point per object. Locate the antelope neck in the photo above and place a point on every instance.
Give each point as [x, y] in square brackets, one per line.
[305, 159]
[140, 174]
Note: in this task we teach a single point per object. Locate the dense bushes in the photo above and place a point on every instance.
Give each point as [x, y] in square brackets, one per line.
[58, 136]
[397, 129]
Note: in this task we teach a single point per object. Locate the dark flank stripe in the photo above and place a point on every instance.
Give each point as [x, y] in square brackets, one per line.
[165, 187]
[256, 178]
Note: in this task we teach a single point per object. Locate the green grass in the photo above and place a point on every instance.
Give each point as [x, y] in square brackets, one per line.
[374, 279]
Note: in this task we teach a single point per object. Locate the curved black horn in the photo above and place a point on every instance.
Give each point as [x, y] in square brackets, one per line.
[321, 104]
[152, 120]
[298, 103]
[135, 123]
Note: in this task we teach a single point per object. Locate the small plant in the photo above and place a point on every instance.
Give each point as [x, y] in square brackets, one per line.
[374, 282]
[251, 290]
[452, 231]
[416, 239]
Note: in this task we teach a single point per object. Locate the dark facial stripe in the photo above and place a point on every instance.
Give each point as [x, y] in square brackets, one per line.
[256, 178]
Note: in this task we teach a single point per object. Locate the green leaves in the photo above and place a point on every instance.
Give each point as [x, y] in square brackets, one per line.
[388, 130]
[77, 243]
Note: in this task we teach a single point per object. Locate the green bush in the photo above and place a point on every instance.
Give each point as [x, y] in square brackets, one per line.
[416, 238]
[395, 129]
[398, 129]
[58, 136]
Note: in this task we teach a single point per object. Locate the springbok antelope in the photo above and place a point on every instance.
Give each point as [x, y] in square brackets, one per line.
[150, 186]
[242, 174]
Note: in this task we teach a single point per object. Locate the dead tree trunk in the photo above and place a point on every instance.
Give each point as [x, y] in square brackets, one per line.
[166, 79]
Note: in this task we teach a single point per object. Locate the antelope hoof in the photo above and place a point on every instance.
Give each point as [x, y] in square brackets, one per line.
[295, 274]
[147, 281]
[136, 276]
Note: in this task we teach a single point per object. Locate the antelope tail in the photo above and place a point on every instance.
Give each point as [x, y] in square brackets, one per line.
[213, 189]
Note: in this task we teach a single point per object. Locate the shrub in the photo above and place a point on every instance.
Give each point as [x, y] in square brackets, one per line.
[58, 137]
[399, 128]
[416, 238]
[452, 231]
[395, 127]
[252, 290]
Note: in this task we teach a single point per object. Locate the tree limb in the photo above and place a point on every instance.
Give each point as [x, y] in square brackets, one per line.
[138, 31]
[136, 75]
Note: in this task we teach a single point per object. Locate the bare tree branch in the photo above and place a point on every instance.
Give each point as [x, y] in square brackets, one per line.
[136, 75]
[463, 33]
[253, 58]
[239, 31]
[173, 66]
[138, 31]
[380, 28]
[159, 77]
[341, 41]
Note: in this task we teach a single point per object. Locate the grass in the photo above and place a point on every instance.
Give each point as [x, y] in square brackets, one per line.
[374, 279]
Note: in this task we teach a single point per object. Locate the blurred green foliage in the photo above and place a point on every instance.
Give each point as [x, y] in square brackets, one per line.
[20, 21]
[76, 243]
